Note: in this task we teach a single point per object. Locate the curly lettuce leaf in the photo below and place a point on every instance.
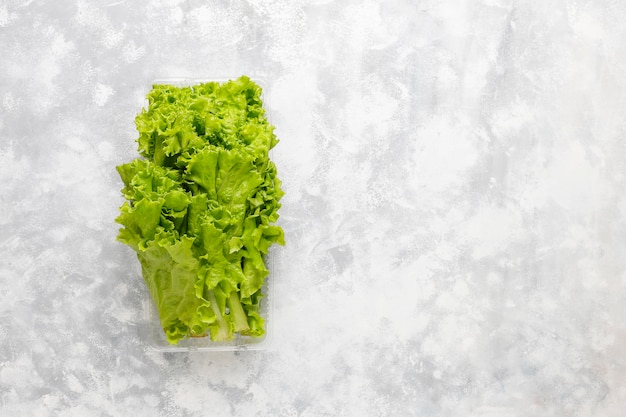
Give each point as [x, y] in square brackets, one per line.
[202, 203]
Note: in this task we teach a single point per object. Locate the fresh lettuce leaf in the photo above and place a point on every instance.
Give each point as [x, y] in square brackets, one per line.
[201, 207]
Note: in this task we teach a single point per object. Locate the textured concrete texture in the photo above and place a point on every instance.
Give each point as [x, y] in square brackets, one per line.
[455, 212]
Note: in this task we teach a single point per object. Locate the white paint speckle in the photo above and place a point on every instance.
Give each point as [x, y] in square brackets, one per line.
[112, 37]
[74, 383]
[9, 102]
[152, 400]
[50, 400]
[5, 16]
[132, 52]
[106, 150]
[585, 24]
[197, 397]
[101, 94]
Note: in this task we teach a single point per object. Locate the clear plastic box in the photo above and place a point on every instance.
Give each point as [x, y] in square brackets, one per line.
[155, 336]
[153, 333]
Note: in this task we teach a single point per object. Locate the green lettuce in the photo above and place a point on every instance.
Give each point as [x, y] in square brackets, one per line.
[201, 207]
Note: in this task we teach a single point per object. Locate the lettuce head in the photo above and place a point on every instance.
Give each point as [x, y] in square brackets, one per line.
[201, 205]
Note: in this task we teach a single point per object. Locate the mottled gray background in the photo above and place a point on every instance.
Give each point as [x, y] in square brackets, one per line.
[455, 210]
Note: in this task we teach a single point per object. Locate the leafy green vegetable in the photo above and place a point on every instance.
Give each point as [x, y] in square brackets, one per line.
[201, 207]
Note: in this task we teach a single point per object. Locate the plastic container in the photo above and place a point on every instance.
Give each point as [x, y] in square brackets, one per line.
[154, 334]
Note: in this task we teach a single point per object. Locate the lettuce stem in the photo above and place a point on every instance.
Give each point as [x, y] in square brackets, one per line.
[159, 154]
[237, 315]
[221, 332]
